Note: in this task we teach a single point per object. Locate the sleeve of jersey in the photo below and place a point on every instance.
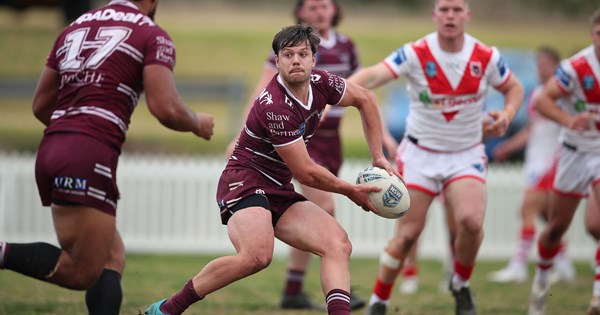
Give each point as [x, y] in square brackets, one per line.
[565, 76]
[160, 50]
[335, 88]
[51, 61]
[398, 61]
[281, 125]
[498, 71]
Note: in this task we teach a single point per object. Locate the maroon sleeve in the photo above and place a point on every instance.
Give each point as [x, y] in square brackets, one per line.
[160, 49]
[335, 87]
[51, 61]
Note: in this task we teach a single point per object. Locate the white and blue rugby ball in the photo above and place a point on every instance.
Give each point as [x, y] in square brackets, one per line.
[392, 200]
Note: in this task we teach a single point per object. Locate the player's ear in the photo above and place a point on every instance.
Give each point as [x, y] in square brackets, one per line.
[277, 62]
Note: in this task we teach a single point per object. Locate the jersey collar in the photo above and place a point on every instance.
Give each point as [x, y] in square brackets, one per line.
[290, 94]
[125, 3]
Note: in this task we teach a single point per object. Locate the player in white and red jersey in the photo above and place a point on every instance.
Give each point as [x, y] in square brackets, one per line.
[540, 140]
[578, 170]
[257, 200]
[448, 75]
[94, 75]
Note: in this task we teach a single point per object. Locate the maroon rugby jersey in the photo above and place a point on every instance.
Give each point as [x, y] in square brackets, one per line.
[277, 118]
[100, 58]
[339, 56]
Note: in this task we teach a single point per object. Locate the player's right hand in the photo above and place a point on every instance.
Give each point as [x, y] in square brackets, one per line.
[581, 122]
[204, 125]
[360, 196]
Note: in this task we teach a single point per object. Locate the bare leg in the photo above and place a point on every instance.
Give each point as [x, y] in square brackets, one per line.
[86, 237]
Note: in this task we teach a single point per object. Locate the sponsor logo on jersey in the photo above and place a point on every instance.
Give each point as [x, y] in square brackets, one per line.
[302, 129]
[265, 98]
[563, 77]
[112, 14]
[501, 66]
[392, 196]
[579, 106]
[288, 101]
[424, 97]
[70, 183]
[81, 78]
[336, 82]
[277, 117]
[315, 77]
[475, 68]
[400, 56]
[430, 69]
[588, 82]
[259, 192]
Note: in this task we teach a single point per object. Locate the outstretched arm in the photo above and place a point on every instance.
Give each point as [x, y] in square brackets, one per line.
[167, 106]
[309, 173]
[546, 104]
[373, 76]
[365, 102]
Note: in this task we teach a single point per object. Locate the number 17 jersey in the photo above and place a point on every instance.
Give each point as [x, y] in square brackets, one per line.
[100, 59]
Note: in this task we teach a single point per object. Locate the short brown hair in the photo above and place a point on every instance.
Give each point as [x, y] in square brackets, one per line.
[295, 35]
[550, 53]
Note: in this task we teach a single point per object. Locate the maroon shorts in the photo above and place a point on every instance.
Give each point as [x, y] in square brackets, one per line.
[235, 185]
[73, 168]
[325, 148]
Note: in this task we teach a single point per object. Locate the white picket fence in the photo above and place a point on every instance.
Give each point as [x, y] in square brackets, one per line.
[168, 206]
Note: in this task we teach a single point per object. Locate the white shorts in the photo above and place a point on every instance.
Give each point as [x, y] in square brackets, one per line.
[576, 171]
[540, 172]
[431, 171]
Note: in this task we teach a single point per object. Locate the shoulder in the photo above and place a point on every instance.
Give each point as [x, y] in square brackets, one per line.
[323, 78]
[343, 39]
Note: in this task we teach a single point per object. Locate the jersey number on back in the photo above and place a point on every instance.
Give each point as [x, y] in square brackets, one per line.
[107, 40]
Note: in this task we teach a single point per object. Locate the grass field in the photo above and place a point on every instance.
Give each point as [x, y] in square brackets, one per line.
[150, 278]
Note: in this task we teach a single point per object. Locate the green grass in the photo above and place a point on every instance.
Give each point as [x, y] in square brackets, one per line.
[151, 277]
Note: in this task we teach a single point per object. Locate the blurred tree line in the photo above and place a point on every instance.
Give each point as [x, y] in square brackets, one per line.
[571, 8]
[568, 8]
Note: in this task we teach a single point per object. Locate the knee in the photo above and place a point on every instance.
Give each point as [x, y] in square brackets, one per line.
[257, 263]
[400, 245]
[341, 245]
[593, 228]
[472, 225]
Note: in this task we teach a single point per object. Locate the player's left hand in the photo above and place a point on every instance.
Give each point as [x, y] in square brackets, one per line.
[496, 124]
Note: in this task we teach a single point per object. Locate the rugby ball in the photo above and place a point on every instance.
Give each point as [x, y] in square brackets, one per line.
[392, 200]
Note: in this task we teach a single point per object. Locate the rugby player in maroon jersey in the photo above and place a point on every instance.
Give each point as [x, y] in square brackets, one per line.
[94, 75]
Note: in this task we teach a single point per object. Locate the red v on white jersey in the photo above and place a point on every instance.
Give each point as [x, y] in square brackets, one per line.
[587, 80]
[437, 80]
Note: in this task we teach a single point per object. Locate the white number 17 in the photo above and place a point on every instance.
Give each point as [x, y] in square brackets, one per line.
[106, 42]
